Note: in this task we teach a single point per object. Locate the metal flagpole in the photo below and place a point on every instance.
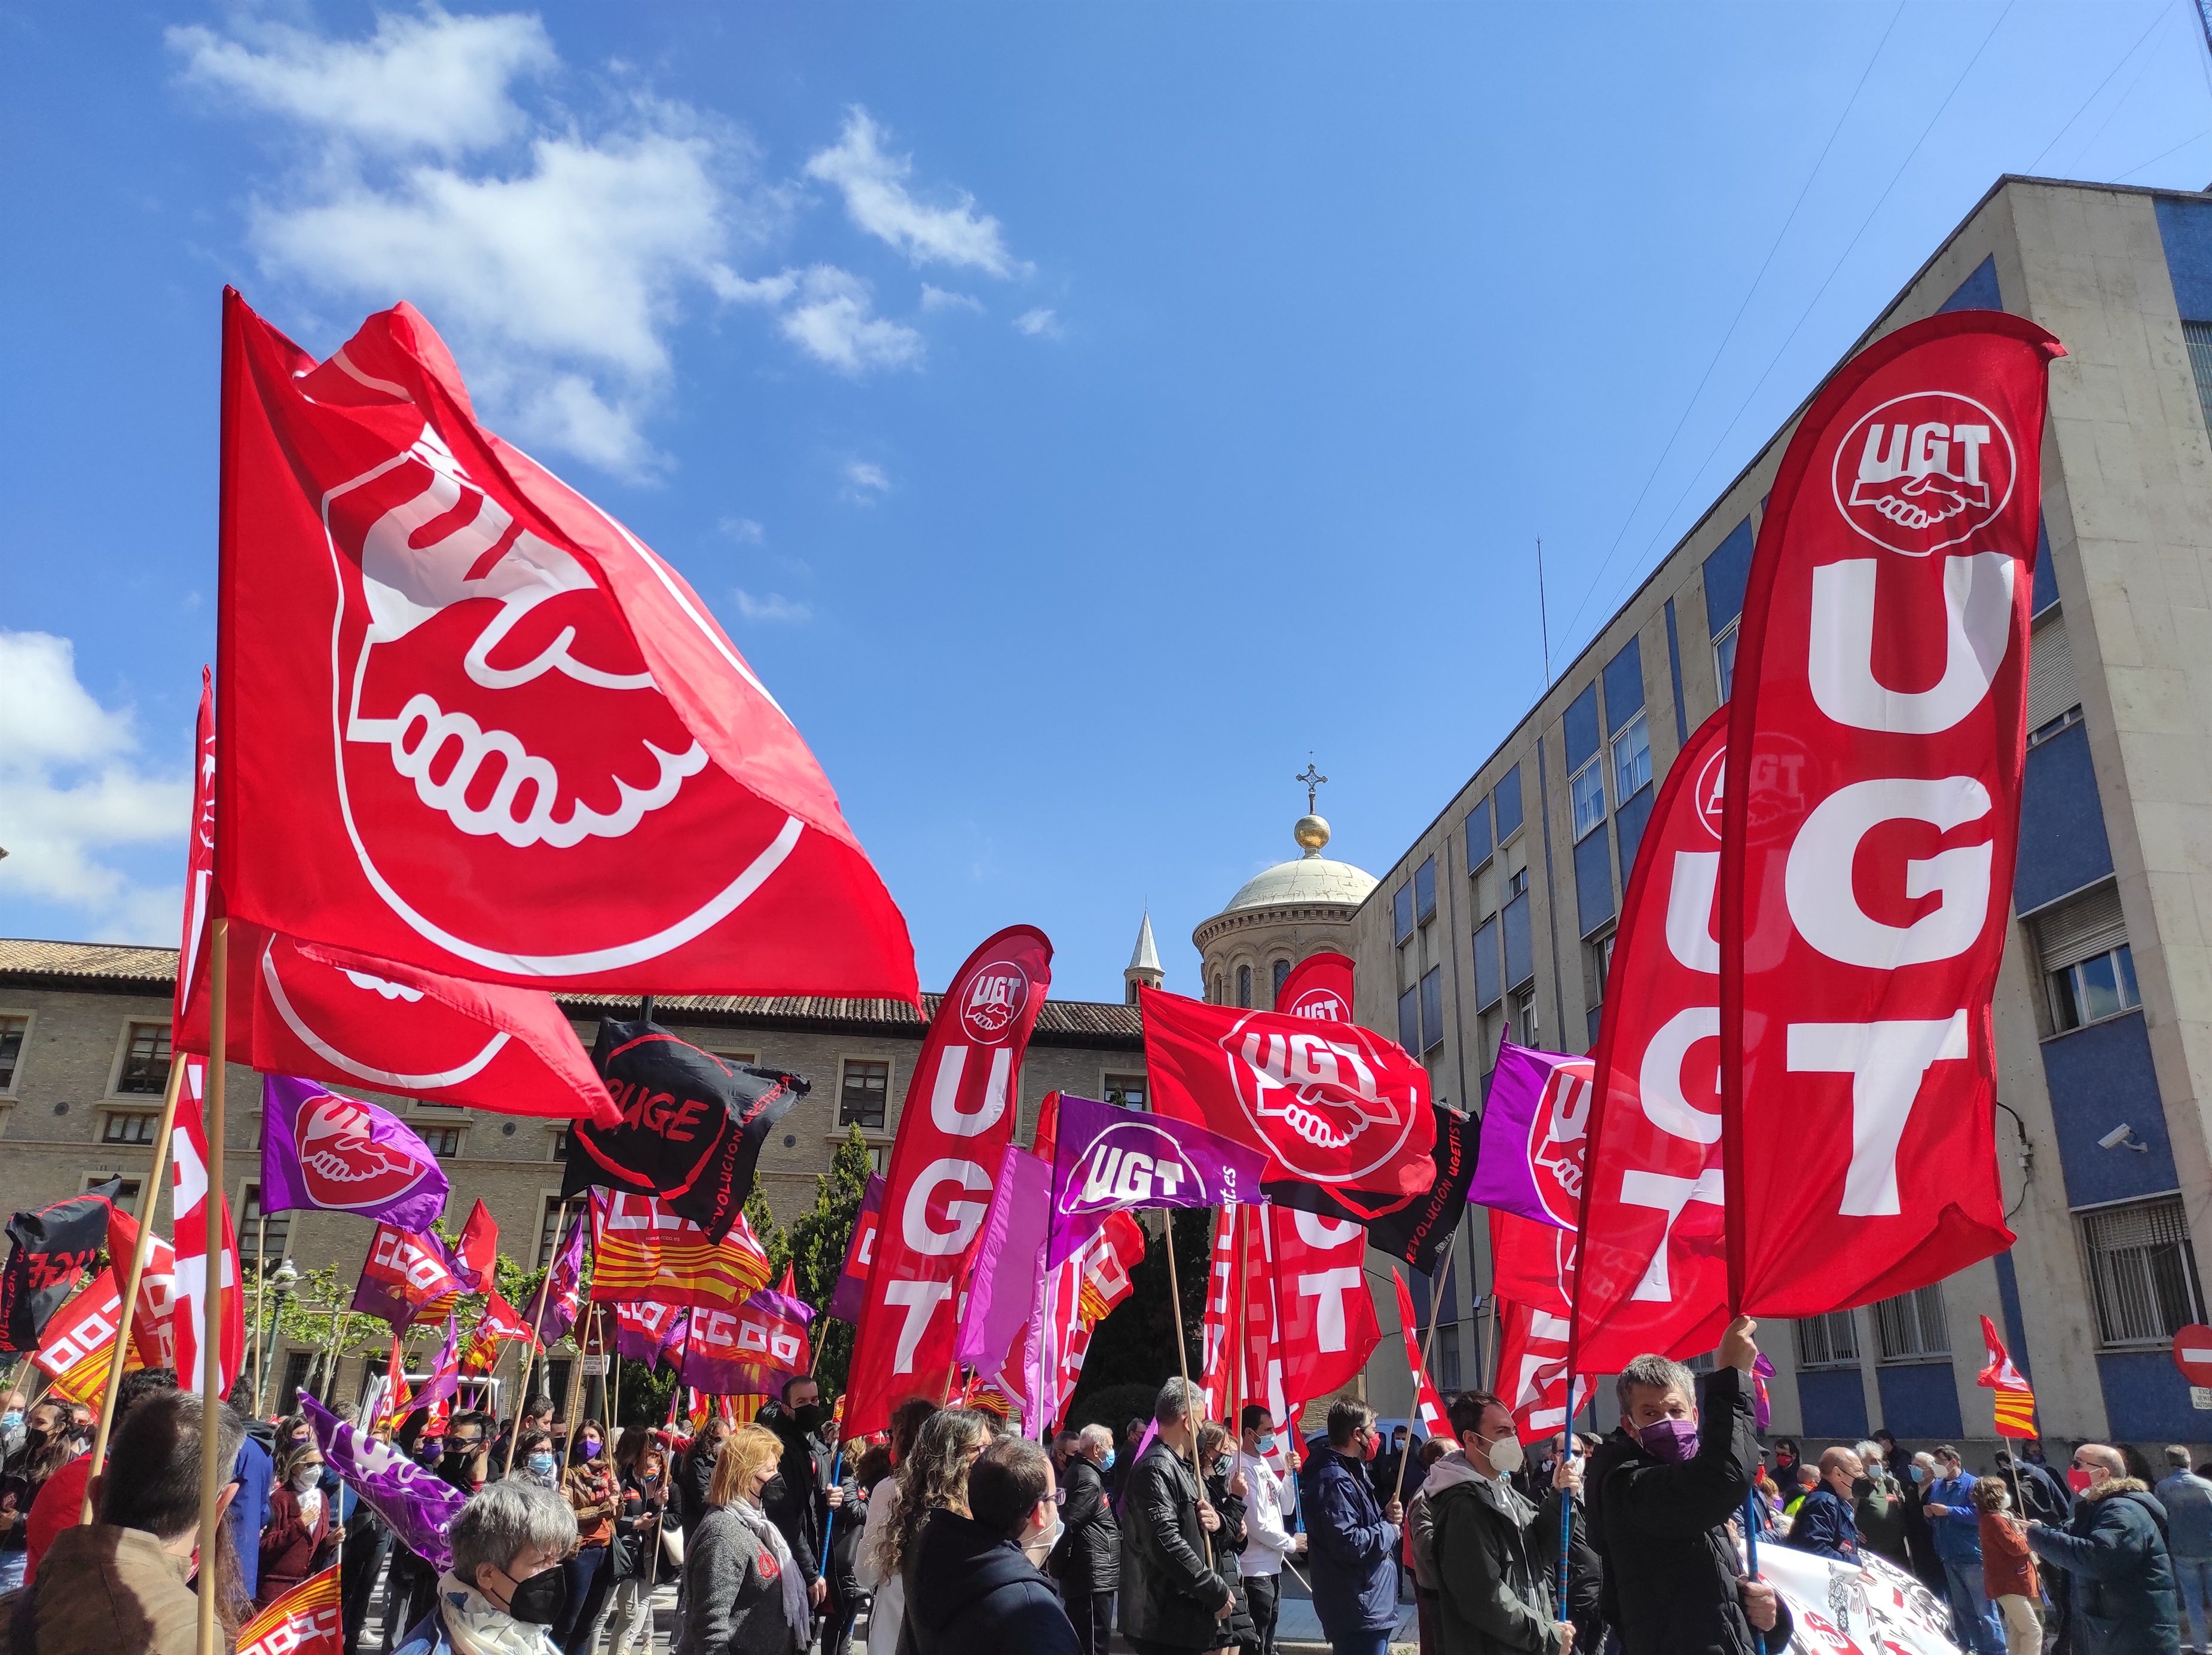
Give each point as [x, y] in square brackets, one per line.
[213, 1475]
[537, 1322]
[1182, 1365]
[149, 1203]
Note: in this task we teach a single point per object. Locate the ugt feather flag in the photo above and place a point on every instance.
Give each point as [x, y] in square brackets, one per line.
[490, 733]
[1876, 735]
[952, 1133]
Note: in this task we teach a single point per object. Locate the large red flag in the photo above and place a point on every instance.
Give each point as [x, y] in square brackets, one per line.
[1532, 1369]
[1654, 1273]
[1328, 1103]
[1328, 1314]
[1218, 1369]
[193, 1198]
[1875, 738]
[953, 1130]
[470, 722]
[1428, 1407]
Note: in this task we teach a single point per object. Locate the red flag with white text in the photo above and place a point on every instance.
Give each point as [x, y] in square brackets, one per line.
[472, 723]
[958, 1118]
[153, 1330]
[1217, 1367]
[308, 1620]
[189, 1147]
[1531, 1370]
[1320, 987]
[1428, 1407]
[1328, 1315]
[1876, 734]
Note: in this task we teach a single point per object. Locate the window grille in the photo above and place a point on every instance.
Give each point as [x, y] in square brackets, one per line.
[1911, 1327]
[2143, 1271]
[1829, 1340]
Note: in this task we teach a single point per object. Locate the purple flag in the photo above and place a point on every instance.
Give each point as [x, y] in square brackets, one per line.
[405, 1274]
[644, 1332]
[1107, 1158]
[417, 1504]
[1530, 1159]
[565, 1279]
[1009, 1262]
[748, 1351]
[852, 1290]
[321, 1148]
[446, 1375]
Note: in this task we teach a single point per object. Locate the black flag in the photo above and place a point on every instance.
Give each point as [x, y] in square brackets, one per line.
[54, 1245]
[1417, 1231]
[692, 1124]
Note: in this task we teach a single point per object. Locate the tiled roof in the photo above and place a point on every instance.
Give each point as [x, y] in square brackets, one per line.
[1060, 1022]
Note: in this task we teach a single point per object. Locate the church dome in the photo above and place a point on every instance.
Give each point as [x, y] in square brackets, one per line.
[1309, 878]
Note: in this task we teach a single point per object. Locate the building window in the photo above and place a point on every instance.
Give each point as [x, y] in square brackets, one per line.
[1401, 913]
[1911, 1328]
[862, 1092]
[551, 1233]
[1587, 787]
[12, 1030]
[1216, 993]
[1829, 1340]
[1510, 809]
[296, 1363]
[1724, 659]
[2142, 1273]
[1597, 965]
[1478, 833]
[1424, 891]
[2089, 971]
[126, 1195]
[1282, 975]
[1409, 1019]
[876, 1153]
[1524, 1017]
[1432, 1009]
[1631, 760]
[2197, 337]
[1244, 986]
[741, 1059]
[556, 1384]
[145, 1071]
[2053, 700]
[1130, 1091]
[1448, 1357]
[561, 1144]
[444, 1142]
[128, 1129]
[1516, 883]
[250, 1253]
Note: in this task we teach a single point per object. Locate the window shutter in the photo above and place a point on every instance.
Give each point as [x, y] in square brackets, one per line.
[2080, 929]
[2049, 673]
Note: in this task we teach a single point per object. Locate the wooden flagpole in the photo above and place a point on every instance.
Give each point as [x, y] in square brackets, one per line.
[1428, 1350]
[537, 1322]
[260, 1299]
[149, 1203]
[213, 1473]
[1182, 1365]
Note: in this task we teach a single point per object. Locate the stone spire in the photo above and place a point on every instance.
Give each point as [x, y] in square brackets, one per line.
[1144, 962]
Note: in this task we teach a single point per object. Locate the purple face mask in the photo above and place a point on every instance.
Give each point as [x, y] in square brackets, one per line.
[1672, 1440]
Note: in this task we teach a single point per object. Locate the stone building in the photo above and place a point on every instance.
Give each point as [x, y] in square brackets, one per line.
[1279, 915]
[1501, 912]
[84, 1060]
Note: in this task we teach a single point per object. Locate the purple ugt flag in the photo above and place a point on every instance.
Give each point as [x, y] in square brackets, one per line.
[565, 1280]
[417, 1504]
[321, 1148]
[1531, 1161]
[851, 1290]
[1107, 1159]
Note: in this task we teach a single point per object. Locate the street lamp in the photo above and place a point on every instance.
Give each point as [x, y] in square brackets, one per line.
[284, 1279]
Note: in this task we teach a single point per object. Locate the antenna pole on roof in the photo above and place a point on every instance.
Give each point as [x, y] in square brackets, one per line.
[1543, 610]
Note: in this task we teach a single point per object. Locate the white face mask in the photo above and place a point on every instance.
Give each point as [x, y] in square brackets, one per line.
[306, 1477]
[1506, 1456]
[1038, 1546]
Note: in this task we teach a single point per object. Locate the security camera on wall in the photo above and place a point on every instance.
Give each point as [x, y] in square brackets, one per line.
[2124, 1136]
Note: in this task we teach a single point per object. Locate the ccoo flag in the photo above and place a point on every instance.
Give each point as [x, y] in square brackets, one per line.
[2015, 1402]
[1876, 734]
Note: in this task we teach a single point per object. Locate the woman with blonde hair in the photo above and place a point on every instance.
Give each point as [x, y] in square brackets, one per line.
[744, 1594]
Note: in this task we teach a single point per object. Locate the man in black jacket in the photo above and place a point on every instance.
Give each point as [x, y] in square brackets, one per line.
[1090, 1553]
[1173, 1595]
[975, 1588]
[798, 1498]
[1664, 1491]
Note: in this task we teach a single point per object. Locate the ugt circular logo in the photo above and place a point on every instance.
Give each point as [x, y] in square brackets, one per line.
[1330, 1105]
[1559, 1139]
[345, 1167]
[1923, 471]
[1706, 791]
[994, 1002]
[1325, 1003]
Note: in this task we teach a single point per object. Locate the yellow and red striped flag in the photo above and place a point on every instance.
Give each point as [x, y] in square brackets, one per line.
[2015, 1402]
[305, 1620]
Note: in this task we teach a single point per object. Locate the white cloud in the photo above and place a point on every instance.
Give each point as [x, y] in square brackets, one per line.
[833, 321]
[771, 608]
[937, 299]
[1038, 324]
[876, 199]
[746, 531]
[431, 83]
[865, 481]
[72, 787]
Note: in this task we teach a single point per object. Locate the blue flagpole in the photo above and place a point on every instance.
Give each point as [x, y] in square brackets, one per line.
[1751, 1547]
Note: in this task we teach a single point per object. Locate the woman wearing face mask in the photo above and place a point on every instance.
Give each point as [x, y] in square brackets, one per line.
[976, 1588]
[633, 1560]
[299, 1538]
[504, 1588]
[1226, 1488]
[535, 1462]
[744, 1593]
[590, 1486]
[698, 1473]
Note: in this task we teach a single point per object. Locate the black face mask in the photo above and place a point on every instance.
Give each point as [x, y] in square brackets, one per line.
[536, 1601]
[809, 1417]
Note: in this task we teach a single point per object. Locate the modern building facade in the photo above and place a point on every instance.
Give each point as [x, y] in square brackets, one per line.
[1500, 915]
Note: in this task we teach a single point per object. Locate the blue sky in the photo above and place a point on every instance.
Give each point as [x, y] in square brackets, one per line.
[1076, 413]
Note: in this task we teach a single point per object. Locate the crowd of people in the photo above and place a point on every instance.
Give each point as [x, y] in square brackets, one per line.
[954, 1534]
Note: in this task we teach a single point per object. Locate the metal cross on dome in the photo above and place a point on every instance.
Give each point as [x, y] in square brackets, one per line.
[1312, 779]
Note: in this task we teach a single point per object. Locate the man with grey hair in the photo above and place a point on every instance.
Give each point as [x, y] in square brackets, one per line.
[1088, 1560]
[1173, 1597]
[1664, 1490]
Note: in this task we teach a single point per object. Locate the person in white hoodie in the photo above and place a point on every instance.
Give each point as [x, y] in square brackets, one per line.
[1267, 1541]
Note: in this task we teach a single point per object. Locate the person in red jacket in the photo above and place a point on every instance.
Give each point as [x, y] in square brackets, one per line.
[297, 1541]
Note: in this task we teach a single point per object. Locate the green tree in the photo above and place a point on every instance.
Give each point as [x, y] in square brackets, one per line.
[816, 1246]
[1136, 1342]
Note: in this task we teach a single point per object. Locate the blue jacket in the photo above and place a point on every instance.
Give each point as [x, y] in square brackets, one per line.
[1825, 1527]
[2187, 1498]
[1959, 1531]
[1352, 1552]
[2122, 1600]
[249, 1509]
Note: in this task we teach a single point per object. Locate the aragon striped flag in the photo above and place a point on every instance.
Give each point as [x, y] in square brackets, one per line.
[2015, 1402]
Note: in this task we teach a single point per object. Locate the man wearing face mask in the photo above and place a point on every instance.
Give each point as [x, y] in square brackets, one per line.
[1957, 1527]
[1268, 1539]
[1663, 1491]
[2121, 1597]
[799, 1500]
[1355, 1536]
[977, 1588]
[1090, 1557]
[1825, 1525]
[504, 1588]
[1492, 1563]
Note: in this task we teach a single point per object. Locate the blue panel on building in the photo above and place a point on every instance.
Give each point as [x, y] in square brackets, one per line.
[1674, 676]
[1478, 834]
[2147, 1399]
[2101, 1078]
[2063, 847]
[1628, 825]
[1919, 1399]
[1978, 291]
[2185, 227]
[2015, 1325]
[1624, 685]
[1520, 955]
[1833, 1403]
[1726, 570]
[1489, 986]
[1593, 882]
[1508, 804]
[2046, 578]
[1582, 729]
